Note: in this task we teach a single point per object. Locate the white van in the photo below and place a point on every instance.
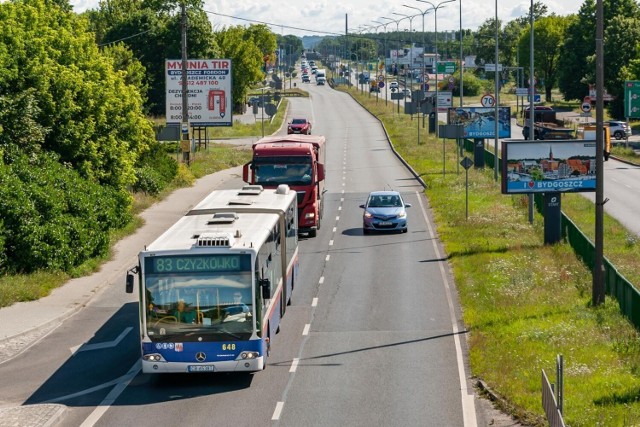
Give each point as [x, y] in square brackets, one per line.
[321, 80]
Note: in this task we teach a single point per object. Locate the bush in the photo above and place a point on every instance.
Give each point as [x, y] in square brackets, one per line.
[473, 86]
[156, 170]
[52, 218]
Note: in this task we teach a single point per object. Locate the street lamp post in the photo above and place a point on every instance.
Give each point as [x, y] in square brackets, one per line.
[424, 51]
[410, 17]
[384, 24]
[397, 21]
[435, 8]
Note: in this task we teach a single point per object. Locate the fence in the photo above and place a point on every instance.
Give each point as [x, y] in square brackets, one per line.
[616, 285]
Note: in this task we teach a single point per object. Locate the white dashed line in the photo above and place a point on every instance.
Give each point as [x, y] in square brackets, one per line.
[278, 411]
[321, 281]
[327, 257]
[314, 302]
[305, 331]
[294, 364]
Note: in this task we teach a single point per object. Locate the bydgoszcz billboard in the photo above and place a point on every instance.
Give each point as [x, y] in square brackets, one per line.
[209, 88]
[479, 122]
[560, 166]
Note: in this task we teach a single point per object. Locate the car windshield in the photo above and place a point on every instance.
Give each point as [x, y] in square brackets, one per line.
[275, 171]
[385, 201]
[299, 121]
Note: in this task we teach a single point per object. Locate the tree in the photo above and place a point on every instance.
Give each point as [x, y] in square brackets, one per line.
[548, 35]
[152, 30]
[246, 58]
[94, 117]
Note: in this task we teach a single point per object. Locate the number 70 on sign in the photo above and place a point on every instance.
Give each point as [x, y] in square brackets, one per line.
[488, 100]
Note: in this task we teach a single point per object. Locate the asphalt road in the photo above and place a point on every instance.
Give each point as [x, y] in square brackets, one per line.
[373, 336]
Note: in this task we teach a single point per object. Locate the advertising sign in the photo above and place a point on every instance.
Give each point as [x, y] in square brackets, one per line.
[445, 99]
[209, 87]
[567, 166]
[479, 122]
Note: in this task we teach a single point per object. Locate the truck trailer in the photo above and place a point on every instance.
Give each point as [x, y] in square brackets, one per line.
[298, 161]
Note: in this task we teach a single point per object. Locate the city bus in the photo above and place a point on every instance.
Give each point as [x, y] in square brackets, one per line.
[213, 288]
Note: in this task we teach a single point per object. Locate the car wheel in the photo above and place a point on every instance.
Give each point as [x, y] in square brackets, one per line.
[618, 134]
[366, 231]
[404, 230]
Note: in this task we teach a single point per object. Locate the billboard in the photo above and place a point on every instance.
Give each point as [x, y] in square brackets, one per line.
[479, 122]
[557, 166]
[209, 88]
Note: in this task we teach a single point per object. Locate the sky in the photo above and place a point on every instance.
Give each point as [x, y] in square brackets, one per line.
[328, 17]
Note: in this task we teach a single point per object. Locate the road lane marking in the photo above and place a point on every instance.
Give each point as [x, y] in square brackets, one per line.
[101, 345]
[314, 302]
[321, 281]
[294, 365]
[468, 398]
[305, 331]
[277, 412]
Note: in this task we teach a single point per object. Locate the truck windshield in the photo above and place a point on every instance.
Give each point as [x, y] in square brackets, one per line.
[186, 305]
[291, 171]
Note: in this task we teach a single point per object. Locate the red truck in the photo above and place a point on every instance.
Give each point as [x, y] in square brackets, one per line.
[295, 160]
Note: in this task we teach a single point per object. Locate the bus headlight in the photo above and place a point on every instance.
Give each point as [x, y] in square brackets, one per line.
[249, 354]
[154, 357]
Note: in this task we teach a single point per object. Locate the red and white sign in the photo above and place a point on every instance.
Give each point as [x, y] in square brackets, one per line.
[209, 88]
[488, 100]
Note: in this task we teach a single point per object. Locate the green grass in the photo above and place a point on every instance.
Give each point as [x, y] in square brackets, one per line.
[525, 302]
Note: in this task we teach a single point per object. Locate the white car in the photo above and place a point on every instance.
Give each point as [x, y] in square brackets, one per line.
[618, 129]
[393, 85]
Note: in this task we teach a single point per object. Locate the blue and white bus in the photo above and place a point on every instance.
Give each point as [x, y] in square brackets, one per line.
[214, 287]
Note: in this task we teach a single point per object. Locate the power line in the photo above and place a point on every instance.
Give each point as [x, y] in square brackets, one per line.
[272, 24]
[124, 38]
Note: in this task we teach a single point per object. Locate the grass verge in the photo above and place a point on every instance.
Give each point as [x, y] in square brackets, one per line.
[525, 302]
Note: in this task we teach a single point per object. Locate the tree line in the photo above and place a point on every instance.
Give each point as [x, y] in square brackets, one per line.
[564, 48]
[77, 94]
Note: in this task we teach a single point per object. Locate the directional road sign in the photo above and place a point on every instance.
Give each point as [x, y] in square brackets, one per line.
[632, 99]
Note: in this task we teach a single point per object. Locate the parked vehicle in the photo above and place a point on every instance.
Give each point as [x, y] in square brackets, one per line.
[295, 160]
[619, 129]
[548, 130]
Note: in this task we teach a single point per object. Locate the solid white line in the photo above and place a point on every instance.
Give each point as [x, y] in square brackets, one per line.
[278, 411]
[314, 302]
[294, 364]
[468, 402]
[104, 406]
[102, 345]
[321, 281]
[305, 331]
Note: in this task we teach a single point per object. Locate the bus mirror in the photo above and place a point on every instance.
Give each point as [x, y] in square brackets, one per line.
[245, 171]
[320, 172]
[129, 286]
[265, 284]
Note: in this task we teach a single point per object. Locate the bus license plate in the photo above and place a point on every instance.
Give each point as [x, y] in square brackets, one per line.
[201, 368]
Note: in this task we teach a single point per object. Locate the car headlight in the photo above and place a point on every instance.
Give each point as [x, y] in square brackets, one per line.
[367, 214]
[402, 214]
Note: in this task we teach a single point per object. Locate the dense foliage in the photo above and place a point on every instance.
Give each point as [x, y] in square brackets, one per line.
[72, 131]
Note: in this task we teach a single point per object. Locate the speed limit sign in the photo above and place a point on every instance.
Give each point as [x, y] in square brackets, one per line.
[488, 100]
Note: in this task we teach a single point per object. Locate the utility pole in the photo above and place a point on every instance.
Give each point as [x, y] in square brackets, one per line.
[186, 140]
[598, 291]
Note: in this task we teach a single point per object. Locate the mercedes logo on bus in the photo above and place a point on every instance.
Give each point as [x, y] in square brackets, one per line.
[200, 356]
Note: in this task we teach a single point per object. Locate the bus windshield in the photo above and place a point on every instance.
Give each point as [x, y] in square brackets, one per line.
[291, 171]
[191, 296]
